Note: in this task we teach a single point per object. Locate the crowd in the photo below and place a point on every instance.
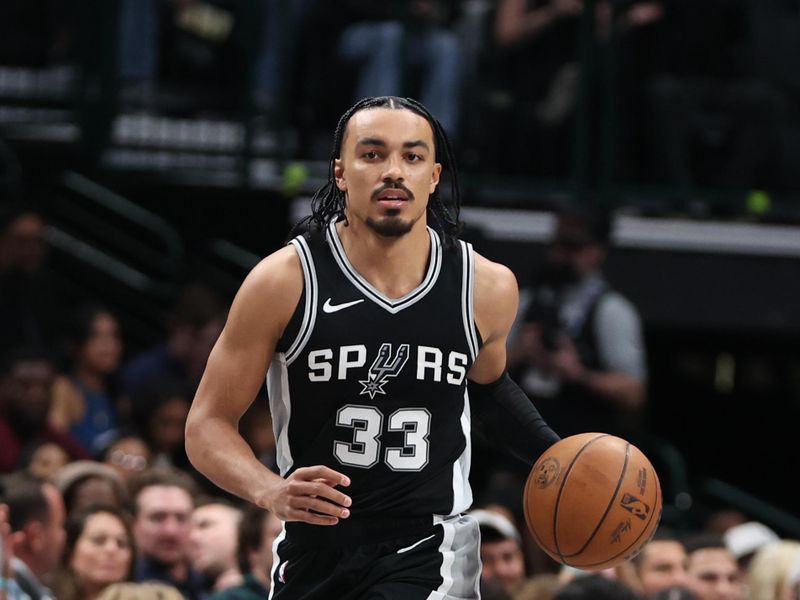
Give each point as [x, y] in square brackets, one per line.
[100, 501]
[673, 93]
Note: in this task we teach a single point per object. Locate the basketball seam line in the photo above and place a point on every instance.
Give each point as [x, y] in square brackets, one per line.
[561, 489]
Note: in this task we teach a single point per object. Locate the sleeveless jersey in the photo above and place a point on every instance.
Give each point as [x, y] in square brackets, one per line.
[376, 388]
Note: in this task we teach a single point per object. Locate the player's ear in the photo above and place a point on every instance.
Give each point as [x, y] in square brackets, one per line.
[437, 171]
[338, 174]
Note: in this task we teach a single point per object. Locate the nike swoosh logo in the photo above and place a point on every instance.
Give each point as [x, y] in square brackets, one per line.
[332, 308]
[412, 546]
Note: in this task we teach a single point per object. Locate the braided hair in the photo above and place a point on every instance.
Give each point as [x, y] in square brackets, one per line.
[328, 202]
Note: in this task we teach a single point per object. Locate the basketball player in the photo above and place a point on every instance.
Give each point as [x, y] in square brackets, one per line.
[370, 325]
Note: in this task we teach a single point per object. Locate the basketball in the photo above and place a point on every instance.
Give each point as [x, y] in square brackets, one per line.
[592, 500]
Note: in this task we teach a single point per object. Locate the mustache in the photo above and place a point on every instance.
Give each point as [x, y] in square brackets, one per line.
[392, 185]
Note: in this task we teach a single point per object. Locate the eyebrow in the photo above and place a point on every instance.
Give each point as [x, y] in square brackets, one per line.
[371, 141]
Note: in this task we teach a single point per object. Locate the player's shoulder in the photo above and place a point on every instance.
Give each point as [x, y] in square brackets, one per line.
[496, 296]
[276, 279]
[267, 297]
[494, 278]
[282, 266]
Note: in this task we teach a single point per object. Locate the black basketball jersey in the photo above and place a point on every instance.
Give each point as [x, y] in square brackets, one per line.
[376, 388]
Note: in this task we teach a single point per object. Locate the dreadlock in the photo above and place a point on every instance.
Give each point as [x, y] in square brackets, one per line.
[327, 204]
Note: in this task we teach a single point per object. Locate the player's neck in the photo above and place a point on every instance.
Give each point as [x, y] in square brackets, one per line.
[393, 265]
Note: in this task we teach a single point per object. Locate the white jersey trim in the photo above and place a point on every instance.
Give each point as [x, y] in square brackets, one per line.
[391, 305]
[276, 561]
[312, 291]
[280, 406]
[462, 491]
[467, 298]
[461, 566]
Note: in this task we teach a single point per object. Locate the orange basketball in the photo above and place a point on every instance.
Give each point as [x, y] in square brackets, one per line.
[592, 501]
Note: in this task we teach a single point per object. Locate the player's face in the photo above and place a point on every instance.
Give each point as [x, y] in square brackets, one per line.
[387, 169]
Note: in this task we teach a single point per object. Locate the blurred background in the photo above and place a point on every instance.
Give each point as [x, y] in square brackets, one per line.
[161, 143]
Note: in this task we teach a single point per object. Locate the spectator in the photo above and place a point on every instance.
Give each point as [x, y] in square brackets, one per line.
[661, 563]
[36, 538]
[26, 382]
[712, 572]
[84, 402]
[87, 482]
[543, 586]
[390, 38]
[43, 460]
[140, 591]
[392, 45]
[501, 550]
[204, 39]
[709, 90]
[128, 455]
[258, 530]
[30, 312]
[770, 571]
[722, 519]
[163, 503]
[493, 590]
[793, 582]
[196, 321]
[535, 59]
[579, 353]
[99, 552]
[746, 539]
[9, 588]
[212, 543]
[674, 593]
[159, 413]
[595, 587]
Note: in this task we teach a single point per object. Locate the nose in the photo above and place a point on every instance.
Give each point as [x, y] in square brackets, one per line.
[679, 578]
[393, 170]
[172, 526]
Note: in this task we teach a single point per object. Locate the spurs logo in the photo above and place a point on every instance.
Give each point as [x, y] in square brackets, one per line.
[384, 367]
[635, 506]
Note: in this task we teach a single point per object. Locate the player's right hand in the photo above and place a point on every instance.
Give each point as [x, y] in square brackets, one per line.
[309, 495]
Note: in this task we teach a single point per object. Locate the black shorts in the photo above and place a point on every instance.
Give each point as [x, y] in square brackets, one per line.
[433, 558]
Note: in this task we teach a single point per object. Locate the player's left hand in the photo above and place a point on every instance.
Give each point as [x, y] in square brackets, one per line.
[309, 495]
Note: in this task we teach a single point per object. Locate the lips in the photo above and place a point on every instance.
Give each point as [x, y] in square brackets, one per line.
[393, 195]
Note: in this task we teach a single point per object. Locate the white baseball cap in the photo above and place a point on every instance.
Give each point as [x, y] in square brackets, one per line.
[496, 521]
[748, 537]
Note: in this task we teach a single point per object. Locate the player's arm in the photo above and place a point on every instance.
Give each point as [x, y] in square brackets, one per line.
[234, 374]
[496, 400]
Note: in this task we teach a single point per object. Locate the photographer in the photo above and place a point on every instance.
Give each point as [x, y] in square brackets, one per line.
[579, 352]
